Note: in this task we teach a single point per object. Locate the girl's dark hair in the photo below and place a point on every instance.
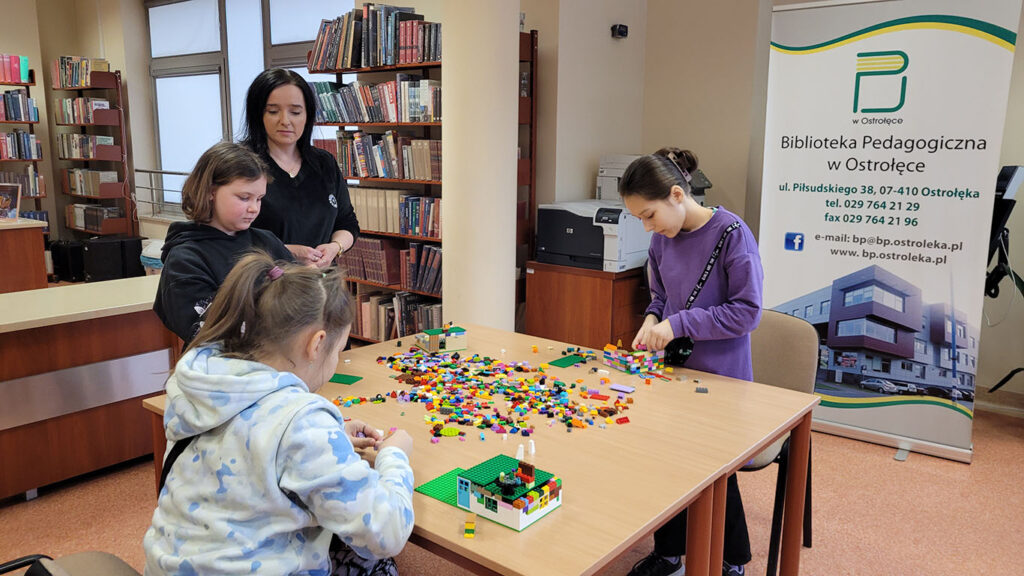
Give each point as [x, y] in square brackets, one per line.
[222, 164]
[256, 312]
[254, 133]
[653, 176]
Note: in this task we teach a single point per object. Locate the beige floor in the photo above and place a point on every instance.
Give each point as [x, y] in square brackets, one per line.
[872, 515]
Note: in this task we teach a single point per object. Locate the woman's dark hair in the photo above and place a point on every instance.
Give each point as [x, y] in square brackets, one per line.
[222, 164]
[254, 133]
[653, 176]
[263, 304]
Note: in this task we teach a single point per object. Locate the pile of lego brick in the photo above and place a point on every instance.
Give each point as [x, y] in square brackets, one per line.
[638, 362]
[461, 391]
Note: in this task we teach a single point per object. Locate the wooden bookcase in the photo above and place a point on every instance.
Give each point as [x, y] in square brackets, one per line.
[426, 188]
[526, 170]
[116, 158]
[8, 164]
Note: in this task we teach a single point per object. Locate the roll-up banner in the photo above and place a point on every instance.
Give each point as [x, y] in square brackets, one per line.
[882, 139]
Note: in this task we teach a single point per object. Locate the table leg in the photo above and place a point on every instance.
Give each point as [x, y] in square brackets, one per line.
[718, 522]
[796, 484]
[698, 533]
[159, 447]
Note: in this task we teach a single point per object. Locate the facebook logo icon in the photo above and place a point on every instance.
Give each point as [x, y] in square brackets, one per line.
[794, 241]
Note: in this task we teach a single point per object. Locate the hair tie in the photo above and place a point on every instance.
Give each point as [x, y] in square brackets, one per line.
[684, 173]
[275, 273]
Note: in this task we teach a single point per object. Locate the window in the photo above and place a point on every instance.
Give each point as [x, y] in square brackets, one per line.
[961, 331]
[491, 504]
[189, 27]
[796, 312]
[920, 346]
[865, 327]
[203, 50]
[974, 343]
[809, 311]
[874, 294]
[906, 366]
[181, 143]
[825, 307]
[886, 365]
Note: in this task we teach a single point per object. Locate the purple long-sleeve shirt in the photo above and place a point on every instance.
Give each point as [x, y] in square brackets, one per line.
[728, 307]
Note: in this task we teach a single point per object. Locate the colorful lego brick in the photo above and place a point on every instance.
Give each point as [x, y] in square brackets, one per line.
[623, 420]
[622, 388]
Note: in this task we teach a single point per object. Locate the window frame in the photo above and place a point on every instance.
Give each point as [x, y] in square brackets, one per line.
[289, 55]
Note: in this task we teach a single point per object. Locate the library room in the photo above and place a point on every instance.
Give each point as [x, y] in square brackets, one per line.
[360, 288]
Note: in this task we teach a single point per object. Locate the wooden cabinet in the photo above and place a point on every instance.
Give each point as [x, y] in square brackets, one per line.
[21, 255]
[587, 307]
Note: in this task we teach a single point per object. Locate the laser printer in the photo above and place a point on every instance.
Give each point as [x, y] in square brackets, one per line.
[595, 234]
[613, 166]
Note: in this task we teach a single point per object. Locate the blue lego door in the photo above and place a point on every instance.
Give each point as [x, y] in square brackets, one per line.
[463, 493]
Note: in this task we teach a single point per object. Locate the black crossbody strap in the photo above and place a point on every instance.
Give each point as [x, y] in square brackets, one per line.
[176, 451]
[711, 264]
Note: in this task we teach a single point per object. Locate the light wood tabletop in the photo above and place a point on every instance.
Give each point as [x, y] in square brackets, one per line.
[619, 483]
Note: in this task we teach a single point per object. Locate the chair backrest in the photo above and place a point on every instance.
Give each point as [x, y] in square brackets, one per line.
[784, 352]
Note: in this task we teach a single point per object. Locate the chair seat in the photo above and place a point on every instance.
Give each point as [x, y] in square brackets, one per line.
[89, 564]
[767, 456]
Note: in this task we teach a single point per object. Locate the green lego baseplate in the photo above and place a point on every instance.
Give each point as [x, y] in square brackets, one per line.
[346, 379]
[567, 361]
[443, 488]
[452, 330]
[485, 473]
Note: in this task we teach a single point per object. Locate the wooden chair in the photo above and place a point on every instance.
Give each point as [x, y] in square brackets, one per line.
[784, 351]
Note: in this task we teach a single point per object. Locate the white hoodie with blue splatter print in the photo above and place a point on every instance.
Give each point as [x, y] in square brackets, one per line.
[270, 478]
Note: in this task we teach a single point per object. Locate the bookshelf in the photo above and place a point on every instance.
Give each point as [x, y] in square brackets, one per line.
[21, 113]
[369, 114]
[97, 171]
[526, 169]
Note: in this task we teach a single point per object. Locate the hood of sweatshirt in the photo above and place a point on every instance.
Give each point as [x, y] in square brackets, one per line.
[183, 232]
[207, 389]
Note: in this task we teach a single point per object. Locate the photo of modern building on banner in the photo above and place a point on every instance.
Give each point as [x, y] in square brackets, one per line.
[878, 337]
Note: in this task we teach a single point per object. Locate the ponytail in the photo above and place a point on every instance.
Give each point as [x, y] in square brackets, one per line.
[264, 304]
[653, 176]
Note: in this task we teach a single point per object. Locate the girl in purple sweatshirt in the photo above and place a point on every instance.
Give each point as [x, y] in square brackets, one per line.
[706, 283]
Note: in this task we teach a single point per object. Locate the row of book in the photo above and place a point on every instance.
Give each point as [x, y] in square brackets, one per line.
[374, 260]
[30, 180]
[20, 145]
[41, 215]
[18, 107]
[83, 182]
[397, 212]
[13, 69]
[388, 155]
[375, 35]
[421, 268]
[74, 71]
[407, 98]
[386, 315]
[78, 110]
[82, 145]
[91, 216]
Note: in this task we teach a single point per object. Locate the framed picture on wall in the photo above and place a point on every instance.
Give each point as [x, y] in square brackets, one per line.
[10, 200]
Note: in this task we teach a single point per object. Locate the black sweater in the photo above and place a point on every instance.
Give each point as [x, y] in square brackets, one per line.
[196, 260]
[309, 208]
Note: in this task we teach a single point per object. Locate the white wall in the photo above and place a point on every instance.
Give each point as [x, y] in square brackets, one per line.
[600, 89]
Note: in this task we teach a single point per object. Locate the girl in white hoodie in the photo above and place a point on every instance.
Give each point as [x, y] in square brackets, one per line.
[266, 472]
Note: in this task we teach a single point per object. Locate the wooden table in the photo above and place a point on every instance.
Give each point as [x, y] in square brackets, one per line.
[619, 483]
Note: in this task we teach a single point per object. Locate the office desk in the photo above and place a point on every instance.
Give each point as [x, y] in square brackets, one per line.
[74, 362]
[22, 255]
[619, 483]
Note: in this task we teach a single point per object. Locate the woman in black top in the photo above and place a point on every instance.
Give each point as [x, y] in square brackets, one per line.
[307, 204]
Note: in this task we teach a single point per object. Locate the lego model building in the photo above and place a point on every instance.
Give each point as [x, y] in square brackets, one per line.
[634, 362]
[447, 339]
[508, 491]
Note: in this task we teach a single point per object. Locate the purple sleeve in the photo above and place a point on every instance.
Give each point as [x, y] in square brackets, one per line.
[741, 311]
[657, 305]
